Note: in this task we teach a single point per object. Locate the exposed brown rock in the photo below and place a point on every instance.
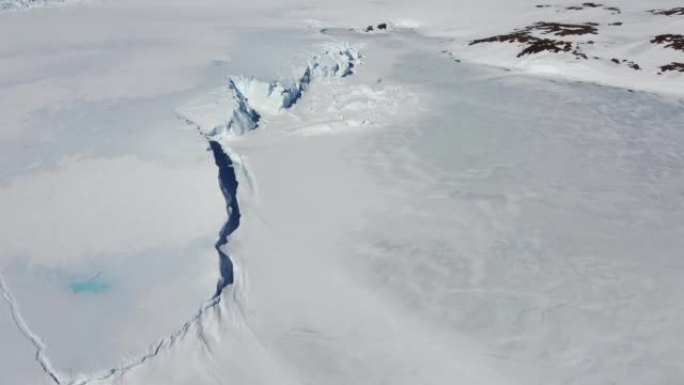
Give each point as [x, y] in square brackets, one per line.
[515, 37]
[633, 66]
[674, 66]
[629, 63]
[615, 10]
[668, 12]
[670, 41]
[536, 44]
[560, 29]
[541, 45]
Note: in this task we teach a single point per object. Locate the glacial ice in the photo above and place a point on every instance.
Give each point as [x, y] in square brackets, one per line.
[249, 98]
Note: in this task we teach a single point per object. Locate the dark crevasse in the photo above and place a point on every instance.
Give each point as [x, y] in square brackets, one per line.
[228, 183]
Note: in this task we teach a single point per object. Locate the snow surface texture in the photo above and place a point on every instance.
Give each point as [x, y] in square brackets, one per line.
[22, 4]
[421, 221]
[35, 340]
[251, 98]
[248, 99]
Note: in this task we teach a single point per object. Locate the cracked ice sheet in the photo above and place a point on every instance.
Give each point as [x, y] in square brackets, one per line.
[111, 205]
[321, 342]
[147, 264]
[19, 366]
[98, 176]
[516, 230]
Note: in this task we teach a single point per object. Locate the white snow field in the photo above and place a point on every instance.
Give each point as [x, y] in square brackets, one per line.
[392, 206]
[6, 5]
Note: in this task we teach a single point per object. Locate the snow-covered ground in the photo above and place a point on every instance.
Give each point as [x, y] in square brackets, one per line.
[408, 214]
[6, 5]
[619, 51]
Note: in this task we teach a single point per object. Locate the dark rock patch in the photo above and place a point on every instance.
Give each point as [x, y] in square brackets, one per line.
[675, 42]
[534, 44]
[515, 37]
[674, 67]
[668, 12]
[584, 5]
[541, 45]
[614, 10]
[379, 27]
[633, 66]
[629, 63]
[560, 29]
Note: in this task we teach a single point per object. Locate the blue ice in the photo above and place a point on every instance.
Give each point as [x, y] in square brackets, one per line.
[93, 285]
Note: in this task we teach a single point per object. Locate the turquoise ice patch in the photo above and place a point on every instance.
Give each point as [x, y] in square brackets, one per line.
[93, 285]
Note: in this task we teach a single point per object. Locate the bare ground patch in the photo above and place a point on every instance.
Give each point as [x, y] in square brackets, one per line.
[379, 27]
[614, 10]
[551, 37]
[631, 64]
[672, 67]
[534, 44]
[675, 42]
[668, 12]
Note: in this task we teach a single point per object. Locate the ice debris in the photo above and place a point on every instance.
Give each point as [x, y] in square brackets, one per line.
[239, 107]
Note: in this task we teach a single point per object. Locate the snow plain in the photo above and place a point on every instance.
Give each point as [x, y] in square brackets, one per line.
[417, 221]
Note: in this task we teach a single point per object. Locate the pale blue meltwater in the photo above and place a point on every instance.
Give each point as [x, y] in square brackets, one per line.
[95, 285]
